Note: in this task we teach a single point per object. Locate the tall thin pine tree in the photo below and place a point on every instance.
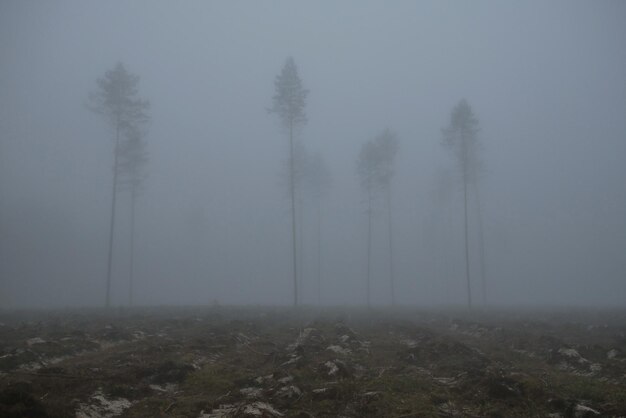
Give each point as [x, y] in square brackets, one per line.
[116, 98]
[460, 137]
[289, 102]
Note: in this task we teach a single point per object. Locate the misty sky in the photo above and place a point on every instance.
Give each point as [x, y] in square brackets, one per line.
[547, 81]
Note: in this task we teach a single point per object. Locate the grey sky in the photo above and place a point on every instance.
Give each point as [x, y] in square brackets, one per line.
[547, 81]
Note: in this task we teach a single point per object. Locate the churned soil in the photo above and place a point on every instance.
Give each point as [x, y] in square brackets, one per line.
[333, 362]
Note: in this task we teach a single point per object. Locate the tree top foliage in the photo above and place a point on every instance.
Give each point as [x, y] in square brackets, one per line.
[460, 137]
[290, 98]
[376, 159]
[117, 98]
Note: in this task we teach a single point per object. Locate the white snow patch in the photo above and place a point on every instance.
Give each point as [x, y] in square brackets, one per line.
[293, 360]
[571, 353]
[339, 350]
[101, 407]
[168, 387]
[261, 409]
[446, 381]
[320, 391]
[332, 368]
[251, 392]
[285, 380]
[582, 411]
[289, 392]
[34, 341]
[302, 338]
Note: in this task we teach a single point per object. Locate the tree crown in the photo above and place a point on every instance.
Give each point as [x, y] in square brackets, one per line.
[375, 162]
[117, 98]
[460, 137]
[289, 100]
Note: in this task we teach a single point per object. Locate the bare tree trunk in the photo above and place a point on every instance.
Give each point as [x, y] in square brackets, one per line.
[300, 223]
[369, 241]
[112, 221]
[390, 230]
[133, 197]
[464, 167]
[467, 267]
[292, 188]
[319, 252]
[481, 243]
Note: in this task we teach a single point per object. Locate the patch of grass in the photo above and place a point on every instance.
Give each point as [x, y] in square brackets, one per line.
[589, 388]
[405, 394]
[214, 380]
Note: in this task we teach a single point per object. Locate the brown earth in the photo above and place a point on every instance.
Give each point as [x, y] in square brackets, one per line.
[267, 362]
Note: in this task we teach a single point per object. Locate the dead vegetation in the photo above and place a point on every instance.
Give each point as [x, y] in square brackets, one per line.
[278, 362]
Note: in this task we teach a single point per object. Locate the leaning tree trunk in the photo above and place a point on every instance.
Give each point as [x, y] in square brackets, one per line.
[292, 192]
[112, 221]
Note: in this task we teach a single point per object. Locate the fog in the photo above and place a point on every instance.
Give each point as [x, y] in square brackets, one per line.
[546, 81]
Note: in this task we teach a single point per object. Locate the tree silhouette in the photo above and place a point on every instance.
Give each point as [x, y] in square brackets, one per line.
[460, 137]
[116, 99]
[375, 171]
[387, 146]
[289, 102]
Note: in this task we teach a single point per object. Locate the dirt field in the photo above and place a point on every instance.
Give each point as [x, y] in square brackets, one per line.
[273, 362]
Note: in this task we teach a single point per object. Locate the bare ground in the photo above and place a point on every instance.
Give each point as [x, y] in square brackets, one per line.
[272, 362]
